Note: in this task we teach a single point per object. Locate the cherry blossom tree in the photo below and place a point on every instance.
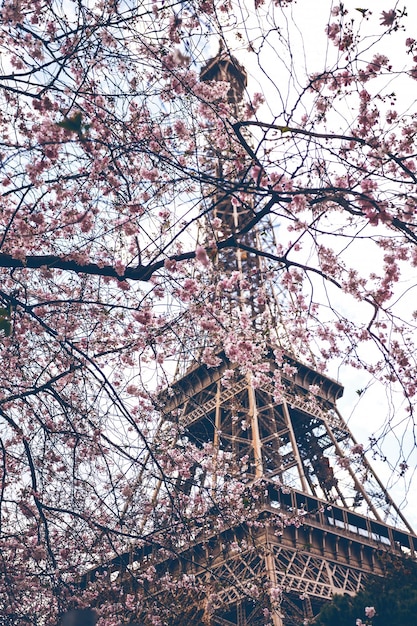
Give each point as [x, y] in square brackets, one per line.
[114, 272]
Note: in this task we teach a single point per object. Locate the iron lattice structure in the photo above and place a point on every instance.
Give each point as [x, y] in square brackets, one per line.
[335, 519]
[318, 528]
[317, 518]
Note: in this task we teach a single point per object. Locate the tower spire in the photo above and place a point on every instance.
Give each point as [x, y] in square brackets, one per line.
[226, 68]
[232, 205]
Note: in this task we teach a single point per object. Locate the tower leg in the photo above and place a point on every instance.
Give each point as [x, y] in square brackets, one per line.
[277, 619]
[272, 575]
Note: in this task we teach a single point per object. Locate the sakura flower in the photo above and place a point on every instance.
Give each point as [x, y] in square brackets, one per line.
[370, 611]
[343, 462]
[119, 267]
[332, 31]
[256, 172]
[170, 265]
[209, 358]
[388, 18]
[201, 256]
[314, 389]
[275, 593]
[403, 468]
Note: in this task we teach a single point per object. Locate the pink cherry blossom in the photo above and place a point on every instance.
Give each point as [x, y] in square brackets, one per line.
[388, 18]
[201, 256]
[154, 228]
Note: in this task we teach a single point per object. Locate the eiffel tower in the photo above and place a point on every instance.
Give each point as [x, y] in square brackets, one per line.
[316, 518]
